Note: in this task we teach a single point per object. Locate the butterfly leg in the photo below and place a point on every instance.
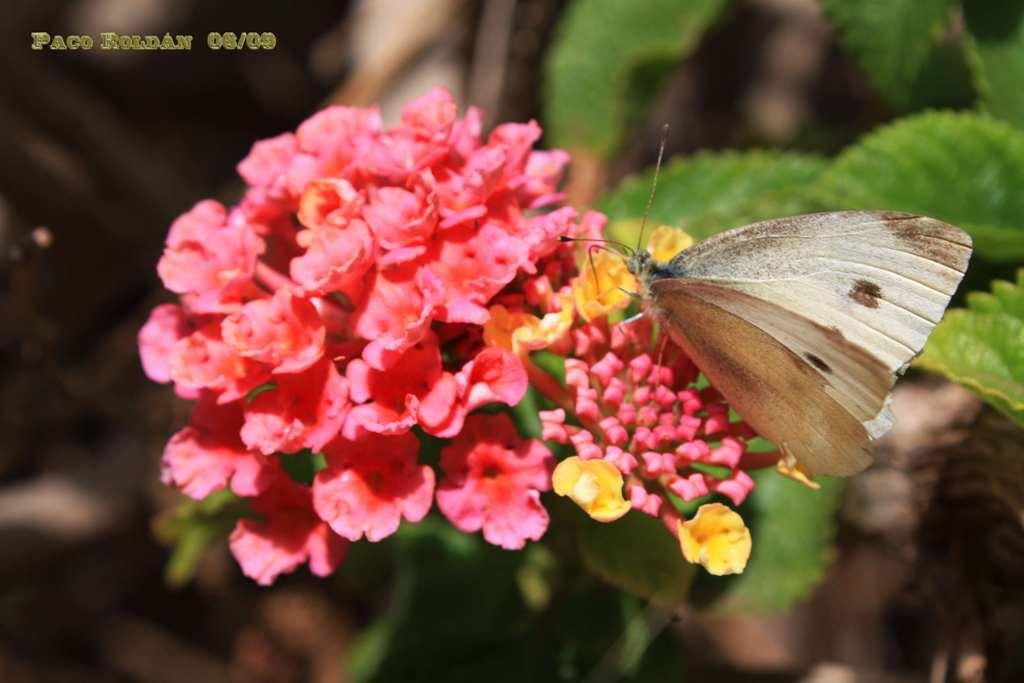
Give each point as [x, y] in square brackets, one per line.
[632, 320]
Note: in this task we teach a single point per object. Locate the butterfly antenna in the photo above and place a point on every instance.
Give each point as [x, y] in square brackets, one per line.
[593, 268]
[654, 186]
[626, 249]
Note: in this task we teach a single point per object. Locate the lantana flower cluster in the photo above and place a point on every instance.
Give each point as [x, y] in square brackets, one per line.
[642, 432]
[377, 286]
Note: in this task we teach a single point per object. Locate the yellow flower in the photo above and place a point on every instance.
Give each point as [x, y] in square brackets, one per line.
[667, 241]
[598, 290]
[522, 332]
[594, 485]
[716, 538]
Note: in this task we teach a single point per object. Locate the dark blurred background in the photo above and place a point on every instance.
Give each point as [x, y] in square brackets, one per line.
[104, 149]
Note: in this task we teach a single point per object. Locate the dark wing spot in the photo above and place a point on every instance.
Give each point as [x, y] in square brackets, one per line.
[897, 216]
[866, 293]
[817, 362]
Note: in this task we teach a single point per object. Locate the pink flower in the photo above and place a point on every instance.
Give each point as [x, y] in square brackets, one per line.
[492, 481]
[371, 484]
[339, 137]
[431, 116]
[167, 324]
[209, 258]
[328, 203]
[400, 218]
[203, 361]
[268, 160]
[302, 410]
[464, 191]
[516, 140]
[494, 376]
[289, 535]
[335, 260]
[397, 313]
[539, 182]
[285, 332]
[340, 304]
[208, 454]
[473, 265]
[414, 390]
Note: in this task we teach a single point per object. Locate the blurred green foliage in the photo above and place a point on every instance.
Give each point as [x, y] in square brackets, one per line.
[793, 529]
[193, 528]
[607, 61]
[995, 40]
[637, 555]
[892, 39]
[457, 603]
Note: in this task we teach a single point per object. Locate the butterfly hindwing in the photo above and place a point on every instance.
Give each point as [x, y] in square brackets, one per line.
[776, 391]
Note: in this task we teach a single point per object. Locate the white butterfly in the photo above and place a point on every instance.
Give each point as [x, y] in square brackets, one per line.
[803, 323]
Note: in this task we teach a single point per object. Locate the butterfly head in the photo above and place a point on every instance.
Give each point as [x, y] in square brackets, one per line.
[647, 269]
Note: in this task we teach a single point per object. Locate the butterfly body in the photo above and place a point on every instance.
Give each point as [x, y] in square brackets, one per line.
[803, 323]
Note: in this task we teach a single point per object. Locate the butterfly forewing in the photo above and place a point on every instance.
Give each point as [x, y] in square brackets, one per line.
[835, 303]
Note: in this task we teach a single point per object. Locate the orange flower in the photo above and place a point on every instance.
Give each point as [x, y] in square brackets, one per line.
[521, 332]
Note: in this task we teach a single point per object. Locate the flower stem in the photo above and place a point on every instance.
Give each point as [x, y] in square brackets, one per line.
[547, 385]
[757, 461]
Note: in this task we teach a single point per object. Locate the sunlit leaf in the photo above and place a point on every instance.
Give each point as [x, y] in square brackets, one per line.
[711, 192]
[982, 347]
[966, 169]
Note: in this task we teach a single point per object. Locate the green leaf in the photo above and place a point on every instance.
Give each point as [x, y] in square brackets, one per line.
[302, 466]
[263, 388]
[453, 608]
[996, 54]
[982, 347]
[637, 554]
[711, 192]
[792, 528]
[525, 415]
[966, 169]
[607, 61]
[891, 39]
[193, 528]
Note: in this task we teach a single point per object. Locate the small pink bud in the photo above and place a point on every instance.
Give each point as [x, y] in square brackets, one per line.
[627, 414]
[624, 460]
[614, 393]
[577, 373]
[614, 432]
[586, 404]
[691, 487]
[639, 368]
[736, 487]
[717, 420]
